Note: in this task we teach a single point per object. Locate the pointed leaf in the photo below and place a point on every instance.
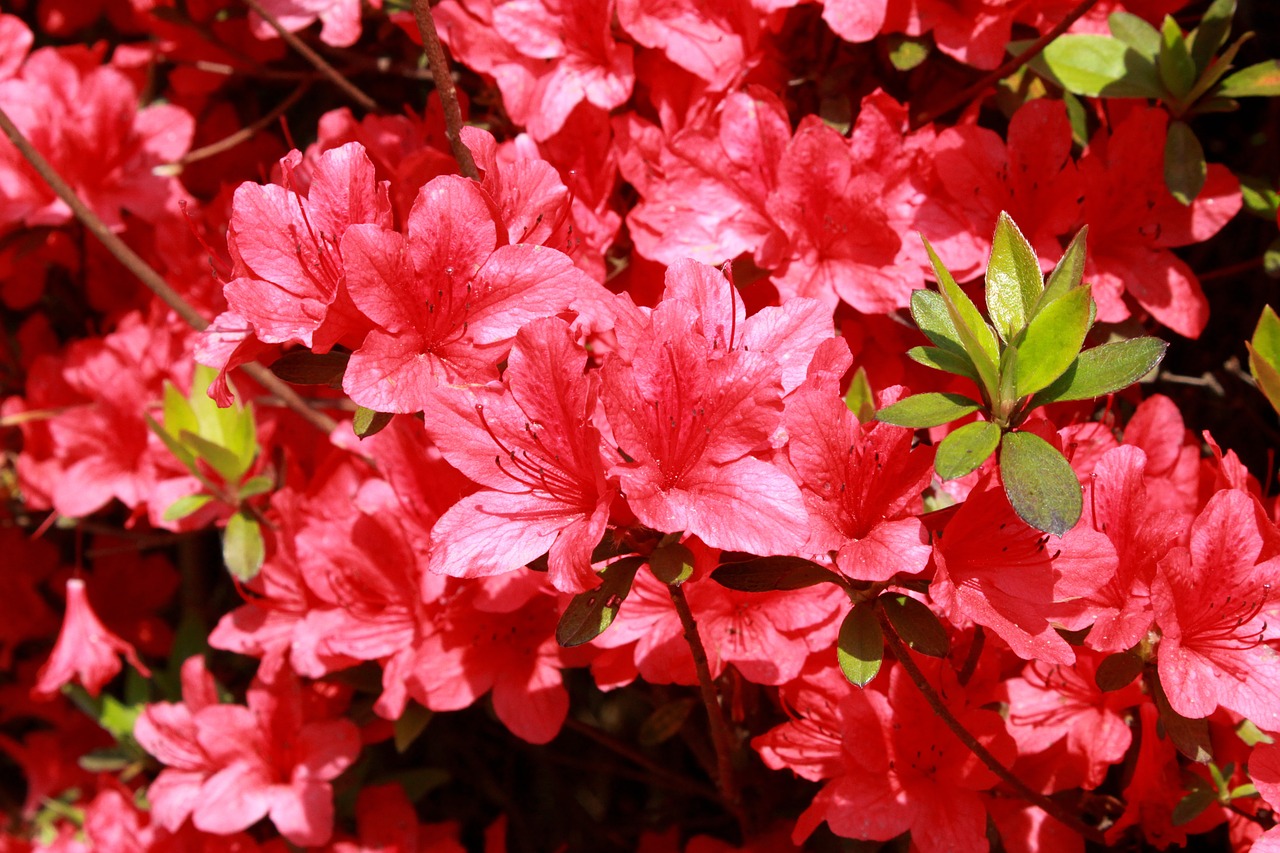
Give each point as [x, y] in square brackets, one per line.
[1260, 198]
[766, 574]
[1261, 80]
[1007, 399]
[590, 613]
[1014, 281]
[303, 367]
[1117, 671]
[217, 457]
[917, 625]
[906, 52]
[1052, 341]
[1039, 482]
[860, 645]
[976, 337]
[185, 506]
[929, 310]
[861, 399]
[672, 564]
[1096, 66]
[965, 449]
[1184, 167]
[1191, 737]
[940, 359]
[1266, 336]
[367, 422]
[1193, 805]
[1209, 78]
[1212, 33]
[410, 724]
[1267, 375]
[1069, 273]
[1136, 33]
[255, 486]
[1177, 70]
[927, 410]
[242, 547]
[1104, 369]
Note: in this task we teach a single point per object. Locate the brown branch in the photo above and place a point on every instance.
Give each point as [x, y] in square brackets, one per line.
[444, 85]
[154, 282]
[321, 64]
[968, 94]
[1051, 807]
[657, 772]
[244, 134]
[721, 737]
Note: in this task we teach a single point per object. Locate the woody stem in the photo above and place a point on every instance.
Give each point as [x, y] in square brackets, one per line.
[1051, 807]
[443, 79]
[154, 282]
[721, 737]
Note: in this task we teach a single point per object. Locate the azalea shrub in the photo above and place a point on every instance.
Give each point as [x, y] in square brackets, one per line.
[667, 426]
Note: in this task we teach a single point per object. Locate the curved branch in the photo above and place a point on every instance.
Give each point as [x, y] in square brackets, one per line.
[1052, 807]
[244, 134]
[444, 85]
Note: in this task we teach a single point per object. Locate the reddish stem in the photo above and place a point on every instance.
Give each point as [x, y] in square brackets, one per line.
[444, 86]
[1053, 808]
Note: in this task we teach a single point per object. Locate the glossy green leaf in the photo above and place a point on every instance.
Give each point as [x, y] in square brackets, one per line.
[666, 721]
[1014, 281]
[1069, 272]
[929, 310]
[861, 399]
[945, 360]
[1264, 356]
[1212, 33]
[1136, 33]
[1097, 66]
[1039, 482]
[1117, 671]
[1104, 369]
[1177, 70]
[907, 52]
[766, 574]
[1261, 80]
[917, 625]
[243, 549]
[1185, 169]
[367, 422]
[927, 410]
[965, 449]
[185, 506]
[1192, 806]
[1007, 399]
[590, 613]
[1078, 117]
[1052, 342]
[672, 564]
[860, 645]
[975, 336]
[410, 724]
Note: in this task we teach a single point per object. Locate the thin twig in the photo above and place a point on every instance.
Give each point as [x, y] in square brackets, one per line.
[1053, 808]
[968, 94]
[148, 276]
[244, 134]
[657, 771]
[444, 85]
[721, 737]
[321, 64]
[1232, 269]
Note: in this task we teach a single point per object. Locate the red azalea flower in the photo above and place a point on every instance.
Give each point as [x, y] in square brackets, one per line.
[86, 651]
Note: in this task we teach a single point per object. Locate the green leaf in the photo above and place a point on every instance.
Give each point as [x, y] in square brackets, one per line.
[1184, 167]
[185, 506]
[1053, 340]
[672, 564]
[766, 574]
[945, 360]
[1104, 369]
[178, 414]
[1117, 671]
[976, 338]
[1191, 737]
[860, 645]
[1209, 78]
[1136, 33]
[1007, 399]
[666, 721]
[907, 52]
[965, 449]
[929, 310]
[367, 422]
[1014, 280]
[860, 399]
[1260, 197]
[181, 453]
[303, 367]
[117, 718]
[229, 466]
[108, 759]
[1069, 272]
[916, 624]
[1177, 69]
[1264, 355]
[1261, 80]
[1251, 735]
[1097, 66]
[1078, 117]
[1212, 33]
[255, 486]
[1039, 482]
[927, 410]
[410, 724]
[1248, 789]
[590, 613]
[1271, 259]
[1193, 805]
[242, 547]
